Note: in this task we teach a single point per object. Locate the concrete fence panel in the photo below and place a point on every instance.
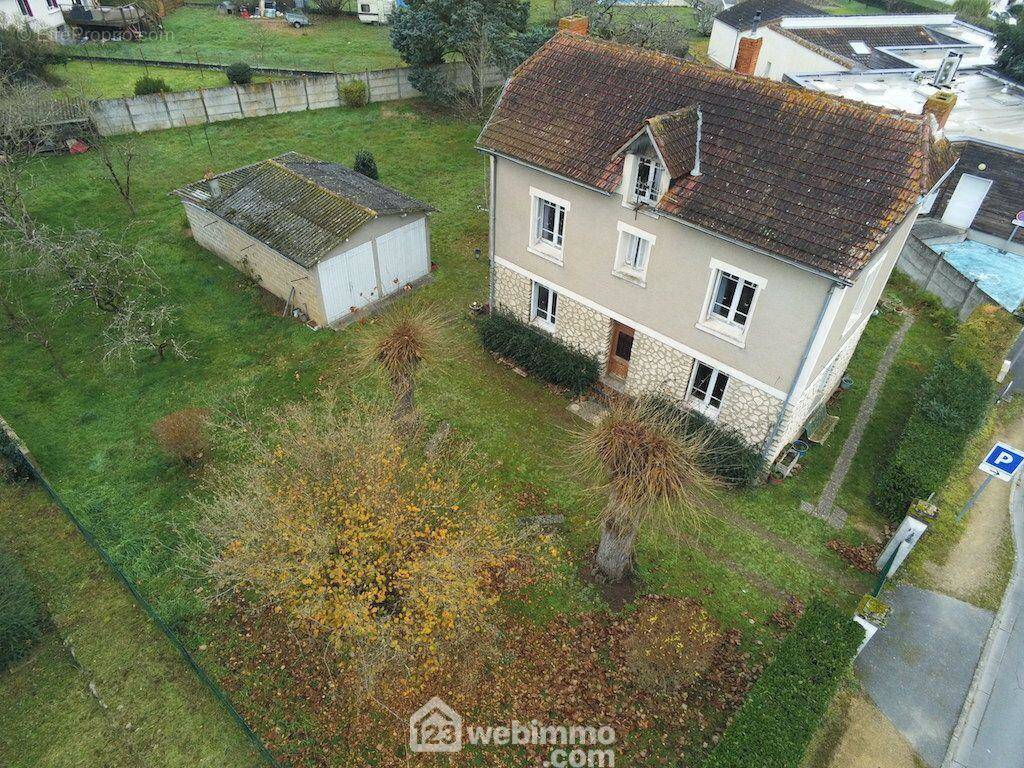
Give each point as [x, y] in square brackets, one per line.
[257, 99]
[186, 108]
[212, 105]
[928, 269]
[290, 95]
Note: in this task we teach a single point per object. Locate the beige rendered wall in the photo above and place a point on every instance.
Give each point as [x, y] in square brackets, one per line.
[677, 280]
[781, 56]
[276, 273]
[722, 45]
[839, 335]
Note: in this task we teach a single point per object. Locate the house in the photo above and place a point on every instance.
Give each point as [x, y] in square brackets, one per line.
[324, 238]
[40, 15]
[716, 238]
[786, 39]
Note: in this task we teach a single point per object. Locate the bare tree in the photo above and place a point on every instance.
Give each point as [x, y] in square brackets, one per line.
[136, 329]
[645, 26]
[18, 319]
[118, 157]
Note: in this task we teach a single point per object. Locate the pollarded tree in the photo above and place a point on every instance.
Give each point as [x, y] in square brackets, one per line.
[479, 33]
[397, 344]
[652, 472]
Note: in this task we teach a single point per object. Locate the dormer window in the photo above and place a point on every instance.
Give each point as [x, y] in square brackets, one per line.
[648, 180]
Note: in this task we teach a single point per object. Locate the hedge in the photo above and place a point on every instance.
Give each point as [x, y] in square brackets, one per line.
[20, 625]
[729, 457]
[786, 705]
[538, 353]
[950, 406]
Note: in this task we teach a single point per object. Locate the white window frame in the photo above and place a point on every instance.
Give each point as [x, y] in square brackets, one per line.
[620, 268]
[703, 404]
[653, 190]
[547, 320]
[727, 328]
[870, 277]
[546, 249]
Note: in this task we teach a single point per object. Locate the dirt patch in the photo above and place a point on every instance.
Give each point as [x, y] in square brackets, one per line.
[973, 563]
[869, 740]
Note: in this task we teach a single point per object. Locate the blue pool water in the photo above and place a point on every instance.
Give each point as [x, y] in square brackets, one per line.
[999, 273]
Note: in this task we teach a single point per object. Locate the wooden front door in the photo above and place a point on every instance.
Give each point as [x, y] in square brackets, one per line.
[621, 350]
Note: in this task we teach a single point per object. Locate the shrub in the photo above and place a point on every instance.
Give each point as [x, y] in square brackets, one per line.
[13, 466]
[182, 435]
[146, 85]
[19, 613]
[355, 94]
[239, 73]
[973, 11]
[27, 55]
[730, 457]
[950, 406]
[786, 705]
[538, 353]
[986, 336]
[366, 165]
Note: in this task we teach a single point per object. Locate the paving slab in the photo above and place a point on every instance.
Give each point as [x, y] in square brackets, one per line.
[919, 668]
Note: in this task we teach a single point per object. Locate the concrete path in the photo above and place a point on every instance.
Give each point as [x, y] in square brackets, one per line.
[918, 670]
[991, 727]
[827, 500]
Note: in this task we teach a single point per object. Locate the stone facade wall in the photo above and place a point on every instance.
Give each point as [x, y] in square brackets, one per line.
[276, 273]
[750, 411]
[583, 328]
[657, 368]
[512, 293]
[816, 393]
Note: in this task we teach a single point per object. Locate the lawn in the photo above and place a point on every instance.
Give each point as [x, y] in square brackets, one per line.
[92, 433]
[154, 706]
[340, 44]
[105, 80]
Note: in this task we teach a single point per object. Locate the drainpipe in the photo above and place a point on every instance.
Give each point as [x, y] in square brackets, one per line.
[799, 371]
[490, 234]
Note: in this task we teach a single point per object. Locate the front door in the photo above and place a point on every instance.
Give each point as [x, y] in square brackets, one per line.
[621, 350]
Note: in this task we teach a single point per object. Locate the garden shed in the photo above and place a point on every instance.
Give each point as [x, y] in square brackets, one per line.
[327, 240]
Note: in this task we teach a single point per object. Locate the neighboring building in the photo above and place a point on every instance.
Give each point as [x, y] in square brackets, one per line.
[39, 15]
[326, 239]
[715, 238]
[786, 40]
[376, 11]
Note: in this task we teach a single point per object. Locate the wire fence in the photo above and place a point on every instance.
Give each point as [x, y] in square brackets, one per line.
[15, 452]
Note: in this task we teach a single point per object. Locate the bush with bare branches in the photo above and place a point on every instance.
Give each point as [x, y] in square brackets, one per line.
[356, 536]
[183, 435]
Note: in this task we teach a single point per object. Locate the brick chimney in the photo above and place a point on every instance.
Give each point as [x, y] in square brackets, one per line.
[578, 24]
[940, 104]
[746, 55]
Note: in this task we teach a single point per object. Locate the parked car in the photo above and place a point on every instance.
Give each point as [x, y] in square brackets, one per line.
[297, 19]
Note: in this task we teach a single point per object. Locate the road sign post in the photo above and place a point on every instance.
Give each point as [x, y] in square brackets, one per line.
[1017, 223]
[1002, 461]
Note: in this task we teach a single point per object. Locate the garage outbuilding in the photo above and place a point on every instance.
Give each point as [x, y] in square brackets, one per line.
[327, 240]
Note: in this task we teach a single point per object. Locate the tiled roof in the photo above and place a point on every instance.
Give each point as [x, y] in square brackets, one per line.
[675, 134]
[1005, 168]
[741, 15]
[837, 40]
[301, 207]
[808, 177]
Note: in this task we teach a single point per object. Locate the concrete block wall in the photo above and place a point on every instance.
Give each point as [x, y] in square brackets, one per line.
[934, 274]
[276, 273]
[231, 102]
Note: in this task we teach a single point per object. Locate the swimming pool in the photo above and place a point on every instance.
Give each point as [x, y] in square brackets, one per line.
[999, 273]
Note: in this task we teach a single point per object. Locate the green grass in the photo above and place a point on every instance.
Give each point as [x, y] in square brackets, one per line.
[92, 432]
[105, 80]
[340, 44]
[157, 712]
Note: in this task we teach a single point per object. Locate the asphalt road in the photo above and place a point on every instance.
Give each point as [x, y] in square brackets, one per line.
[1015, 378]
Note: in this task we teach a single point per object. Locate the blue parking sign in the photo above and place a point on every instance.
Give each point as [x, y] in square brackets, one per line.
[1002, 461]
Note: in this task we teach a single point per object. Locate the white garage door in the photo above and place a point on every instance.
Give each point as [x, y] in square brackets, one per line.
[403, 255]
[348, 281]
